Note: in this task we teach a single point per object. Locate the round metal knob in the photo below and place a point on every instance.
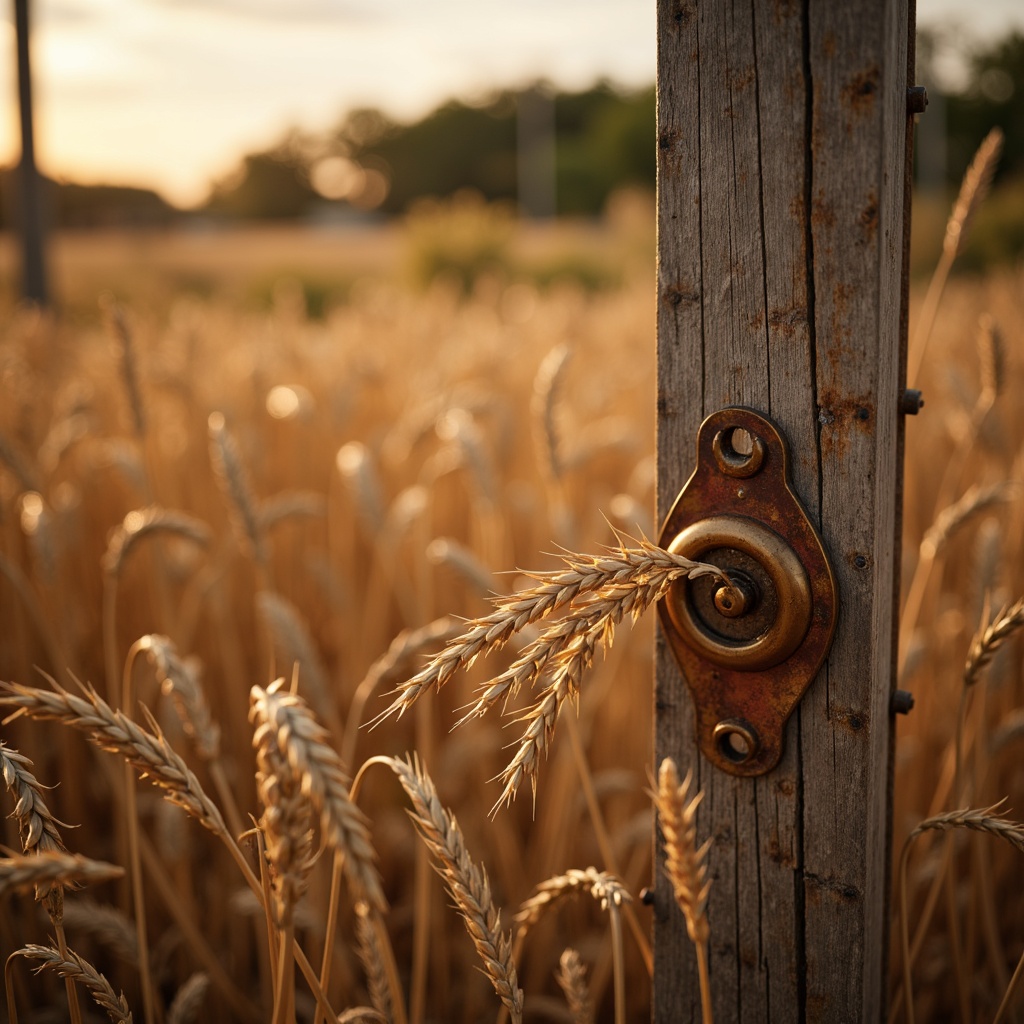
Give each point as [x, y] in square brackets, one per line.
[756, 619]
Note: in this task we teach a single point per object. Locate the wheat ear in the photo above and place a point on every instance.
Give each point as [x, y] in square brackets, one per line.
[985, 819]
[990, 638]
[686, 864]
[303, 743]
[188, 1000]
[48, 869]
[37, 826]
[466, 882]
[584, 575]
[148, 752]
[566, 649]
[129, 367]
[546, 387]
[234, 481]
[372, 958]
[603, 886]
[973, 191]
[80, 970]
[39, 833]
[572, 979]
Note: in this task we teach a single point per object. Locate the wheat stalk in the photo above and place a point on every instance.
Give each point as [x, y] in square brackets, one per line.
[48, 869]
[129, 367]
[446, 551]
[234, 481]
[970, 504]
[39, 833]
[355, 465]
[142, 522]
[973, 189]
[992, 360]
[990, 637]
[290, 505]
[686, 864]
[622, 570]
[303, 743]
[188, 1000]
[603, 886]
[148, 752]
[293, 645]
[286, 818]
[466, 882]
[372, 958]
[180, 680]
[108, 925]
[568, 647]
[987, 820]
[362, 1015]
[572, 979]
[546, 387]
[71, 965]
[37, 826]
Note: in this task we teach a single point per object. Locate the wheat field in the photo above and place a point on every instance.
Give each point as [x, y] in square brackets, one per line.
[314, 472]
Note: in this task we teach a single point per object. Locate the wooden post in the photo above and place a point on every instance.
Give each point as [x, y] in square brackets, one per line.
[782, 146]
[30, 198]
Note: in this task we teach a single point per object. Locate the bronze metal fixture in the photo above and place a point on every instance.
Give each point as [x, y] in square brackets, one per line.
[750, 646]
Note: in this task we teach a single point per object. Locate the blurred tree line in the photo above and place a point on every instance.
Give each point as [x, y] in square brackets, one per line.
[602, 139]
[588, 144]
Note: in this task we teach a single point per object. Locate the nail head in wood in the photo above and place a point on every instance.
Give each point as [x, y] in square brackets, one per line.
[911, 402]
[902, 702]
[917, 99]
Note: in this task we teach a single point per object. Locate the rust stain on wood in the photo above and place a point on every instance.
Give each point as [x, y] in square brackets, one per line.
[787, 321]
[868, 218]
[680, 295]
[858, 95]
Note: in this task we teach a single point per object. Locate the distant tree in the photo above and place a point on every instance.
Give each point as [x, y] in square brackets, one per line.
[457, 146]
[604, 139]
[994, 95]
[273, 184]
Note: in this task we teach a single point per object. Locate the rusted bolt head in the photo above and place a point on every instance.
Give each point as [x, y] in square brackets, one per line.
[917, 99]
[902, 702]
[911, 402]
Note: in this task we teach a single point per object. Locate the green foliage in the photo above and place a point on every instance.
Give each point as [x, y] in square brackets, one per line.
[994, 95]
[270, 185]
[460, 240]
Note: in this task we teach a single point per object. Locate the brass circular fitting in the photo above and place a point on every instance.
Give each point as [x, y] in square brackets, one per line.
[736, 740]
[767, 579]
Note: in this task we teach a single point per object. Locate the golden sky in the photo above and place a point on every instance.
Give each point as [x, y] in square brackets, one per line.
[169, 93]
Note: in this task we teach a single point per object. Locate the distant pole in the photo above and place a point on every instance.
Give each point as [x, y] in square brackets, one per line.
[30, 203]
[535, 152]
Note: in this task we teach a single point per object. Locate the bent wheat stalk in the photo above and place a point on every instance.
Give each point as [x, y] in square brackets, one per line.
[71, 966]
[985, 819]
[619, 571]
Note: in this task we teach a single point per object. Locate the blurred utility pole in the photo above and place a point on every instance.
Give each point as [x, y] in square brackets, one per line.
[535, 151]
[30, 198]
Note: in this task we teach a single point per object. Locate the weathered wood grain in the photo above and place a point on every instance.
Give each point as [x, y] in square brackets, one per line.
[781, 144]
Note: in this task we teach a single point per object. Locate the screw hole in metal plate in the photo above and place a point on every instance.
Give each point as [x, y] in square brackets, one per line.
[738, 452]
[736, 740]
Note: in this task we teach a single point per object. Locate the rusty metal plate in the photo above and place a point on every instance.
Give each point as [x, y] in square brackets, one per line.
[750, 651]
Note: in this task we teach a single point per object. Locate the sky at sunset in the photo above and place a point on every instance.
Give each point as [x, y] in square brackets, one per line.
[169, 93]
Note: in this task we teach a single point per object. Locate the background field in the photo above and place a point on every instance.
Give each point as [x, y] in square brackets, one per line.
[381, 385]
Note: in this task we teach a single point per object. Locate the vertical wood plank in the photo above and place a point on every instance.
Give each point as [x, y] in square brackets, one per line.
[781, 141]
